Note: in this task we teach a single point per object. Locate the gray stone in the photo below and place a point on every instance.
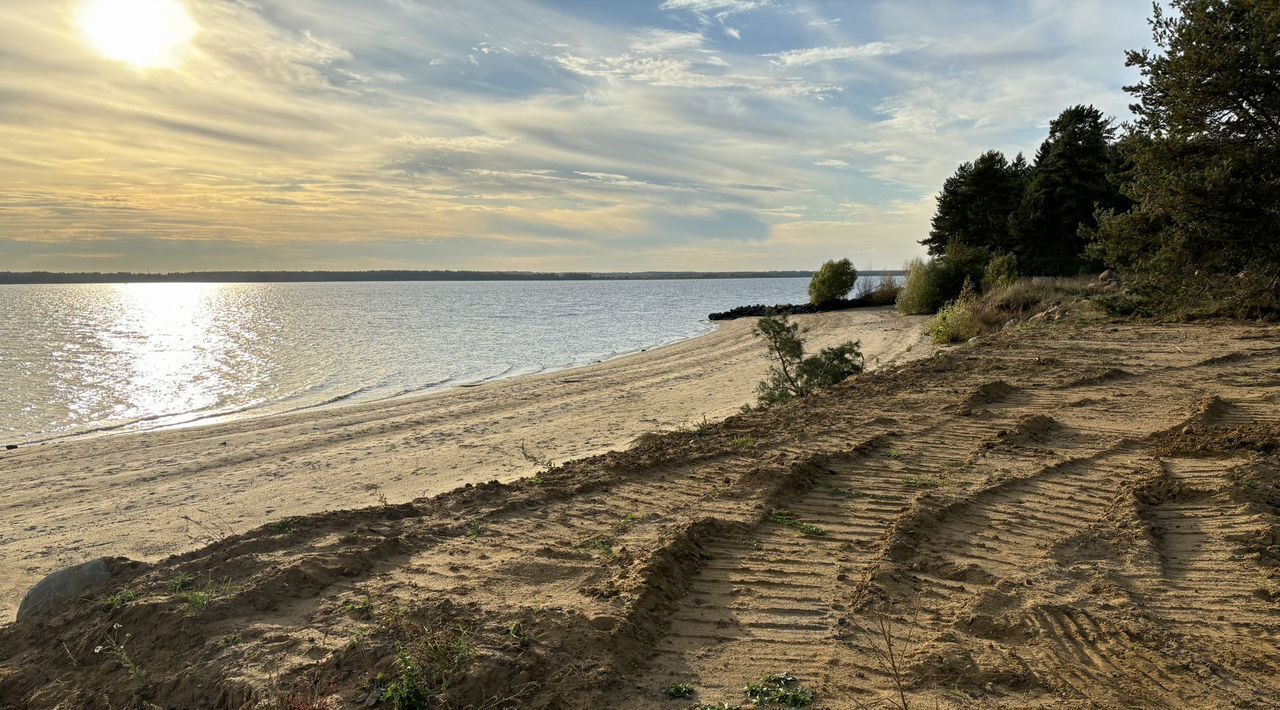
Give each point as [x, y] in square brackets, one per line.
[67, 584]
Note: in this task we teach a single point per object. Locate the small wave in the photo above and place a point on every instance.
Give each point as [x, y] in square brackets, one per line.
[100, 429]
[326, 402]
[420, 388]
[506, 370]
[138, 423]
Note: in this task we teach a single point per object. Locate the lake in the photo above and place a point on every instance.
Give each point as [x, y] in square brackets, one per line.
[83, 359]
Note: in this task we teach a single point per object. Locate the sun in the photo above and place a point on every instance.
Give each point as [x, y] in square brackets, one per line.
[145, 33]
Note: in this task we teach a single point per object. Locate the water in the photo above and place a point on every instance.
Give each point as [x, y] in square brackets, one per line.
[81, 359]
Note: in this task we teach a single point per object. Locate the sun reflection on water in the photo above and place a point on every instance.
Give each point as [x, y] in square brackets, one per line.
[168, 339]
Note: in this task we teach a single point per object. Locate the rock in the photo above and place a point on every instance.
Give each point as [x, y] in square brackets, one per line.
[67, 584]
[1009, 324]
[790, 309]
[1108, 276]
[10, 447]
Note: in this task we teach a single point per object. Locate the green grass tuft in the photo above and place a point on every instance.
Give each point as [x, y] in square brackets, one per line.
[787, 519]
[679, 690]
[362, 608]
[121, 598]
[197, 600]
[781, 689]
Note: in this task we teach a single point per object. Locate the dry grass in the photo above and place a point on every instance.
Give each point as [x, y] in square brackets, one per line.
[1030, 295]
[971, 315]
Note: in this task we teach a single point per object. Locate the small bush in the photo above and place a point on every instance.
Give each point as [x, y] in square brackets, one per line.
[958, 320]
[792, 374]
[833, 281]
[831, 366]
[408, 691]
[955, 323]
[884, 292]
[1001, 271]
[921, 293]
[930, 284]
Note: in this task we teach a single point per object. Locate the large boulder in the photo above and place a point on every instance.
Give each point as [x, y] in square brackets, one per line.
[68, 584]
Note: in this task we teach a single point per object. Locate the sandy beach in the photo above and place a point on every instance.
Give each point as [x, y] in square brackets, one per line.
[152, 494]
[1069, 514]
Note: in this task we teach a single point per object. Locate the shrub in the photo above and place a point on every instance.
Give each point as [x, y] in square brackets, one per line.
[958, 320]
[831, 366]
[408, 691]
[1001, 271]
[832, 282]
[883, 293]
[961, 262]
[921, 294]
[793, 375]
[931, 284]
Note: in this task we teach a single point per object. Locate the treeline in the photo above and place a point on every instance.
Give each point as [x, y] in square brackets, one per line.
[1039, 212]
[53, 277]
[1184, 201]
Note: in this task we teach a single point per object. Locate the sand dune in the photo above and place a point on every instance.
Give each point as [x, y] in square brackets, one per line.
[153, 494]
[1080, 514]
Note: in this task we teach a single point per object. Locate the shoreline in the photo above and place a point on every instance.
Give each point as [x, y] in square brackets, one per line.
[150, 494]
[255, 411]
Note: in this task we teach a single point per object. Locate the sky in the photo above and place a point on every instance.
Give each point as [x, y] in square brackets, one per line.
[552, 135]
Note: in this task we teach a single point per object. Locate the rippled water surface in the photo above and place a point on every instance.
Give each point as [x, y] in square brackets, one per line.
[77, 359]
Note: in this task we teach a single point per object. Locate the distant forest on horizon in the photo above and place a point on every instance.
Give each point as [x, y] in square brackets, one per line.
[56, 277]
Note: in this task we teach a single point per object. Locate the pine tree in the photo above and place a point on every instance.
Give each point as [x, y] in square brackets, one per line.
[1069, 182]
[1204, 156]
[975, 204]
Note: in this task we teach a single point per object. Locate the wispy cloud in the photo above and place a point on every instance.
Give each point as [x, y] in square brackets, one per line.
[486, 134]
[466, 144]
[818, 55]
[716, 8]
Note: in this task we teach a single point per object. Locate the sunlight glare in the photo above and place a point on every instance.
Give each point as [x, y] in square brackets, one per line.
[144, 33]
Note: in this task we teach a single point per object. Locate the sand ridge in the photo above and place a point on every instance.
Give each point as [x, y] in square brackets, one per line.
[1071, 515]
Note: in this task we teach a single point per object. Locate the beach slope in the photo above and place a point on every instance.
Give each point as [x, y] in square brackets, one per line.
[152, 494]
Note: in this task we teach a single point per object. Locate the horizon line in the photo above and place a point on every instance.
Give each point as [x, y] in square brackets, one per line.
[329, 275]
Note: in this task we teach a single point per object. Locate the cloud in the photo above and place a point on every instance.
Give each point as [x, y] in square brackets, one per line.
[680, 60]
[513, 134]
[465, 144]
[716, 8]
[659, 41]
[818, 55]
